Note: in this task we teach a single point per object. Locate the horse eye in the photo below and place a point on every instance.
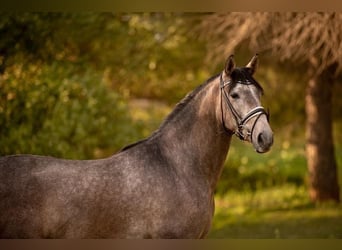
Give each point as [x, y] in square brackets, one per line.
[235, 96]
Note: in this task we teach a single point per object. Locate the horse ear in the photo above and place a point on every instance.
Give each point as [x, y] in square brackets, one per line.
[230, 65]
[253, 64]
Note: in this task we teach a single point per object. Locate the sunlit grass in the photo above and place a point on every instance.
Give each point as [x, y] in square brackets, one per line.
[279, 212]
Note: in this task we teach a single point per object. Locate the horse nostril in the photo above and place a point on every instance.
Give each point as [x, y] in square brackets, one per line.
[261, 139]
[265, 140]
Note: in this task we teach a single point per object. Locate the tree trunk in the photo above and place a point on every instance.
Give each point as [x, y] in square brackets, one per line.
[323, 182]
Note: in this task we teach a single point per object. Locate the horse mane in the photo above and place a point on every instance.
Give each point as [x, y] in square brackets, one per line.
[185, 101]
[178, 108]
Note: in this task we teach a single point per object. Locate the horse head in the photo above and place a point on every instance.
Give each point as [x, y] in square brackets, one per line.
[243, 114]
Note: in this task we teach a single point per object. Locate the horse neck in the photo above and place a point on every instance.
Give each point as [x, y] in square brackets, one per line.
[194, 139]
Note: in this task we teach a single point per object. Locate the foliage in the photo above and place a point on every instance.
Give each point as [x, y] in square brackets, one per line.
[48, 110]
[149, 114]
[66, 78]
[162, 60]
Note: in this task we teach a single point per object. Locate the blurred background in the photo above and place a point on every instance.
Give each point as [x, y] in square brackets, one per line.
[83, 85]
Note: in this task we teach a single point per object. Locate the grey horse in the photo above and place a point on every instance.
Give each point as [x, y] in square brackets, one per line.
[160, 187]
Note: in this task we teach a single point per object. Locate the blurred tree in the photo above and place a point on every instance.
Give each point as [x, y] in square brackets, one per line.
[311, 40]
[46, 110]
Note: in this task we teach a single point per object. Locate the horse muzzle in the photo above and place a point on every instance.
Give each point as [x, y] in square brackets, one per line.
[263, 142]
[262, 136]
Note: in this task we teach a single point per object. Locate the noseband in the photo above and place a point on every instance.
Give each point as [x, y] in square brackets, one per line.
[240, 121]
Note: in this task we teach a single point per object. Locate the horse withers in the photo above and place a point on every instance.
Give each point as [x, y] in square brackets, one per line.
[160, 187]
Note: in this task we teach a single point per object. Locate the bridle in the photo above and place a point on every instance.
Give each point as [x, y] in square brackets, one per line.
[240, 121]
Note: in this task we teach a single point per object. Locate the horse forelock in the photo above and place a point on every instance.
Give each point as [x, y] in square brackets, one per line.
[243, 76]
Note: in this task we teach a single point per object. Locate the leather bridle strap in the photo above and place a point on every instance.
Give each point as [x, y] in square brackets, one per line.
[241, 122]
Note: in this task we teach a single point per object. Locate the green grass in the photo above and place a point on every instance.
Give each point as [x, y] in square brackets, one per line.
[247, 170]
[279, 212]
[266, 196]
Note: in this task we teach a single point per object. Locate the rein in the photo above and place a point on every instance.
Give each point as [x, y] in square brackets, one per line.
[240, 121]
